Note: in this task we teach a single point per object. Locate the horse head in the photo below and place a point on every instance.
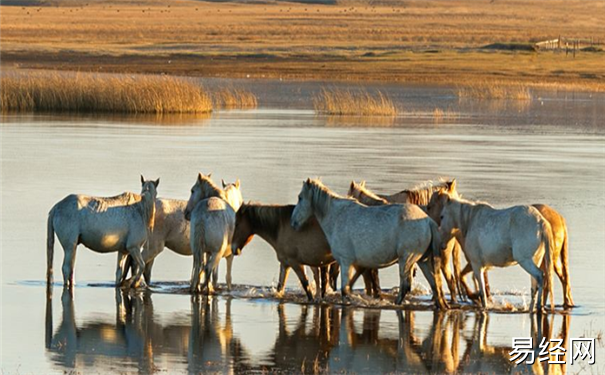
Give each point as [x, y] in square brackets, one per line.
[233, 194]
[242, 234]
[304, 207]
[149, 188]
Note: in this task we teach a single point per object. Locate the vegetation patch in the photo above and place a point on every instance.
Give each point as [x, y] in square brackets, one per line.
[90, 92]
[353, 103]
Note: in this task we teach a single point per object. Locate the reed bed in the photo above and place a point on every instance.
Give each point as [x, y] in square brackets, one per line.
[230, 98]
[338, 102]
[494, 90]
[89, 92]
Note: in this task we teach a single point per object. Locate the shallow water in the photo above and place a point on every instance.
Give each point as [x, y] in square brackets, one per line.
[550, 150]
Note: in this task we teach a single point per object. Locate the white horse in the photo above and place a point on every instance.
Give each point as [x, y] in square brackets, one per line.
[171, 230]
[500, 238]
[372, 237]
[211, 230]
[102, 227]
[420, 196]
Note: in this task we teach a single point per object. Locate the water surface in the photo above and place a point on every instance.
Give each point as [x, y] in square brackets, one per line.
[549, 150]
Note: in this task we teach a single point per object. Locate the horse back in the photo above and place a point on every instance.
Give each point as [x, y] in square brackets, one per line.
[170, 225]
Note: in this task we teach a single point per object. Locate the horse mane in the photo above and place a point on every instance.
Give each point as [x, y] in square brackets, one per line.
[147, 212]
[321, 195]
[267, 217]
[369, 197]
[210, 189]
[421, 194]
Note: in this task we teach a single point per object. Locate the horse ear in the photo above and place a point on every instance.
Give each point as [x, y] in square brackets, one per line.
[451, 186]
[363, 183]
[142, 179]
[352, 186]
[308, 182]
[209, 175]
[157, 182]
[237, 183]
[224, 184]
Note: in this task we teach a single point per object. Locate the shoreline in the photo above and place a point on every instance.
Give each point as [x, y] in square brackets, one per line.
[370, 70]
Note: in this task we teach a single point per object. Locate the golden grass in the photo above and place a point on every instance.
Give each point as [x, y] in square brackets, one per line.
[230, 98]
[495, 90]
[86, 92]
[414, 41]
[353, 103]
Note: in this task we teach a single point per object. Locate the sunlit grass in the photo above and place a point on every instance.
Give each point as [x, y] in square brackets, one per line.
[494, 90]
[353, 103]
[89, 92]
[230, 98]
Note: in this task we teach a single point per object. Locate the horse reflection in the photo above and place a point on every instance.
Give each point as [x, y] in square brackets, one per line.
[322, 338]
[306, 348]
[140, 339]
[212, 344]
[135, 335]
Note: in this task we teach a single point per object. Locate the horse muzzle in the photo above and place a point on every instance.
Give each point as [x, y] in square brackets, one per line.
[236, 250]
[295, 224]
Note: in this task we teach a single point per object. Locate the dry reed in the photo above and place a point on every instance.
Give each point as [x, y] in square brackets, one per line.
[81, 92]
[353, 103]
[495, 90]
[234, 98]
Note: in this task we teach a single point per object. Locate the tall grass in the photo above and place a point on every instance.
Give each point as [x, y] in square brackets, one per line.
[495, 90]
[230, 98]
[353, 103]
[89, 92]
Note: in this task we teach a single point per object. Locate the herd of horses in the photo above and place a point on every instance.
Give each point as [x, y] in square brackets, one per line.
[431, 226]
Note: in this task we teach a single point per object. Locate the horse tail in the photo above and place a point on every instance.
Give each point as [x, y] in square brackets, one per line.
[50, 246]
[549, 245]
[565, 265]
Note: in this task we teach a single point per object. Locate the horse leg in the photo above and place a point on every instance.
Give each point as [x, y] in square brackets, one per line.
[432, 276]
[69, 262]
[376, 291]
[345, 277]
[324, 280]
[537, 284]
[149, 253]
[135, 253]
[405, 280]
[195, 272]
[488, 291]
[300, 272]
[229, 268]
[478, 275]
[334, 271]
[283, 276]
[367, 280]
[447, 273]
[121, 267]
[465, 271]
[315, 271]
[147, 272]
[210, 266]
[215, 276]
[456, 251]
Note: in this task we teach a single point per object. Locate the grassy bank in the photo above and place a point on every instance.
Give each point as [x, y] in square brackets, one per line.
[428, 41]
[48, 91]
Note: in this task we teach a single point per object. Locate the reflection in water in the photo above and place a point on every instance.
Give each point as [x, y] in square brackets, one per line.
[322, 338]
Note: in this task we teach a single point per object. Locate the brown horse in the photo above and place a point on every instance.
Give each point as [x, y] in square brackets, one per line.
[421, 197]
[294, 249]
